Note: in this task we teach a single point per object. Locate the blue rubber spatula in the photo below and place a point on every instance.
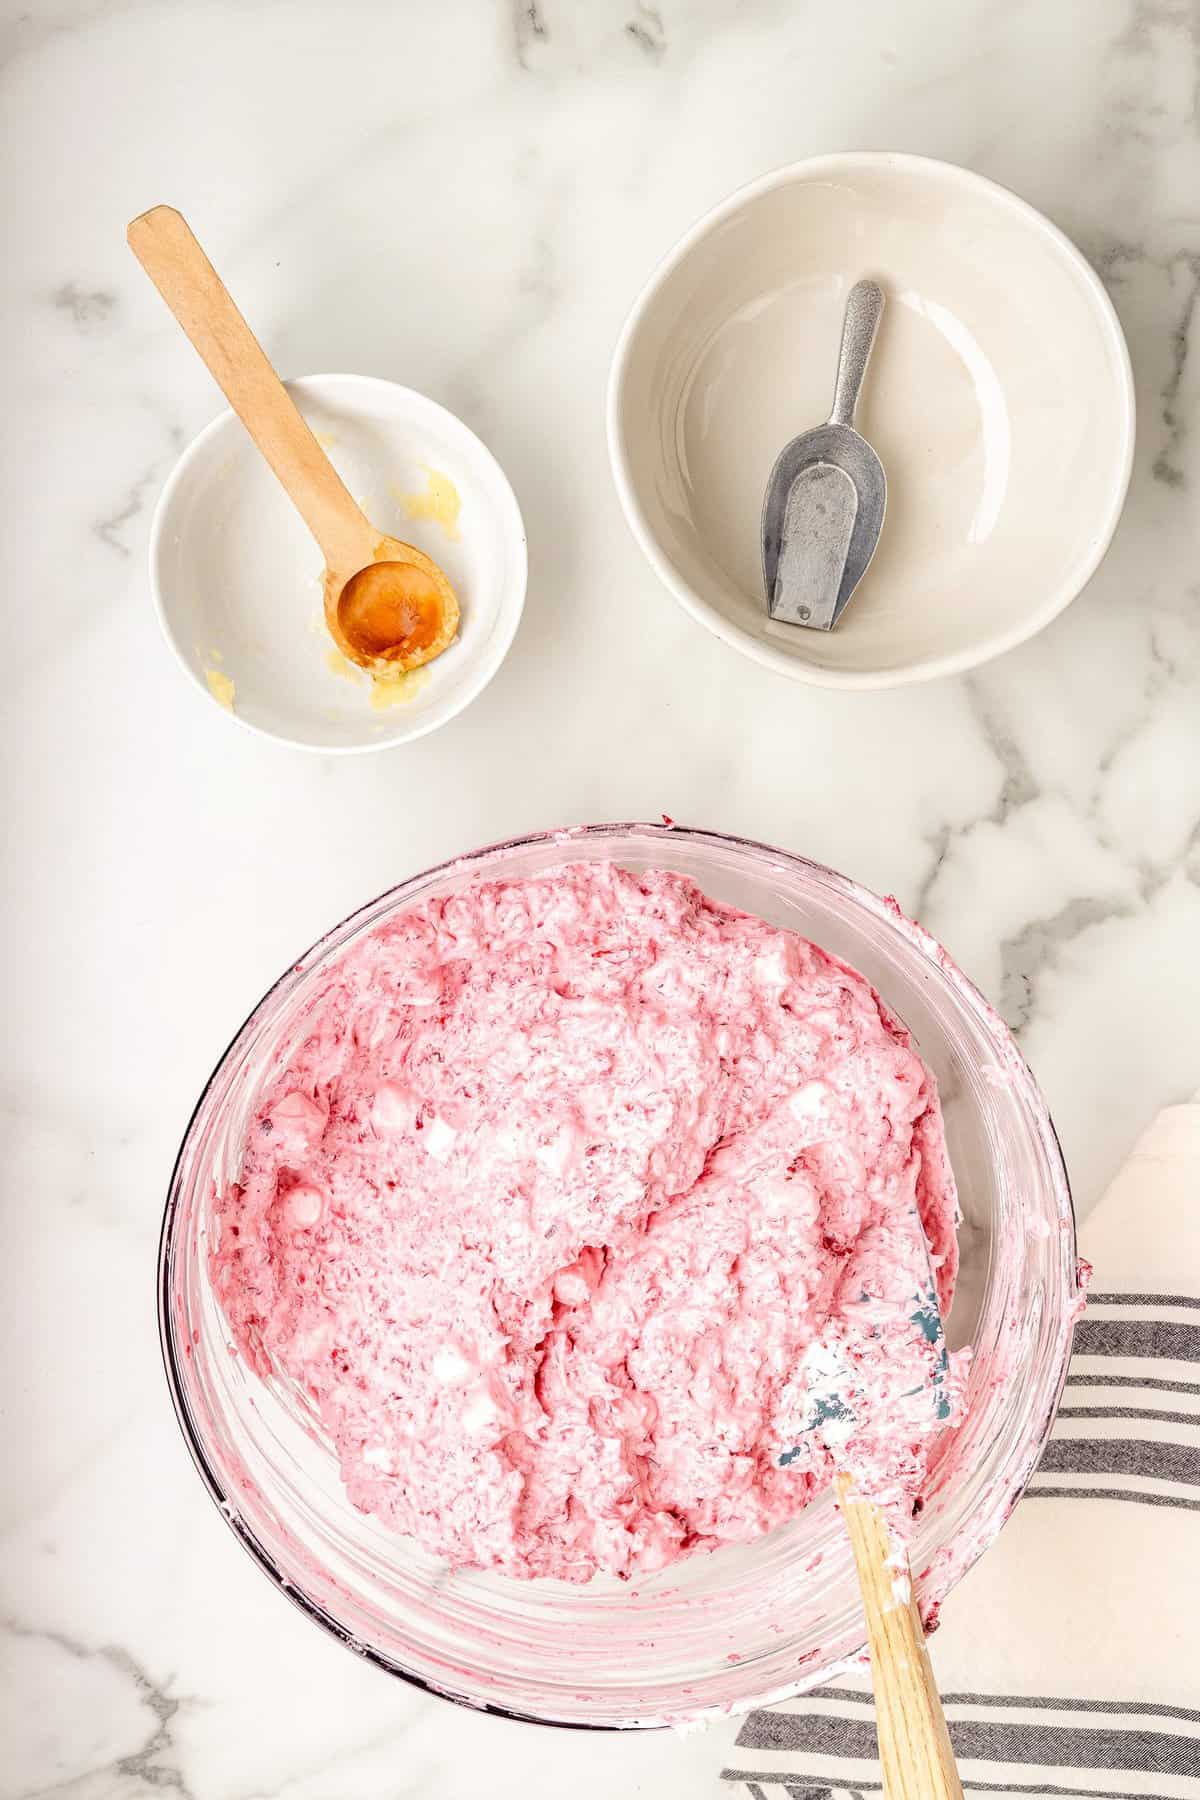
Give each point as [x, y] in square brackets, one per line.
[914, 1743]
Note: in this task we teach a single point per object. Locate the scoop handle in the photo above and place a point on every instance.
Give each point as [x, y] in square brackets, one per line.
[864, 309]
[167, 249]
[915, 1753]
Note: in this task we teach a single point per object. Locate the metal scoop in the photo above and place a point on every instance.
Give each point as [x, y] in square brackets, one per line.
[826, 497]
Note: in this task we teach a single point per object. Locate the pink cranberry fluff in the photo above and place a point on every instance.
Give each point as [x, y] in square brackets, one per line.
[561, 1183]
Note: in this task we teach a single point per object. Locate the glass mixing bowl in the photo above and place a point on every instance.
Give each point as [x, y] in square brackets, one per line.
[714, 1632]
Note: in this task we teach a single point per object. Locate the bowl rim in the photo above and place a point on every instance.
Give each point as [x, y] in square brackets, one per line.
[509, 621]
[651, 832]
[929, 668]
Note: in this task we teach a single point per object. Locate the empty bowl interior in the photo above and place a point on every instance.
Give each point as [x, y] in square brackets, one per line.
[712, 1631]
[998, 397]
[238, 578]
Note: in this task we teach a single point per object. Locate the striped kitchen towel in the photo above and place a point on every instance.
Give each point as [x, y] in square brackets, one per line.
[1069, 1658]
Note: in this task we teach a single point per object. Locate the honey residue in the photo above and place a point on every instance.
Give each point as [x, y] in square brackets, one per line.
[341, 665]
[397, 690]
[220, 686]
[439, 503]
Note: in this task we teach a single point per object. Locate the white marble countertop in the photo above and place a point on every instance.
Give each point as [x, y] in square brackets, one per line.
[466, 197]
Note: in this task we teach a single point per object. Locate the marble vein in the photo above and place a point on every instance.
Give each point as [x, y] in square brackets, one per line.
[529, 28]
[153, 1766]
[647, 31]
[110, 529]
[1166, 465]
[86, 309]
[1017, 788]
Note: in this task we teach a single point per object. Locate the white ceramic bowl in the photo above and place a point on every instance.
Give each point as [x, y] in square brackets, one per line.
[237, 578]
[999, 397]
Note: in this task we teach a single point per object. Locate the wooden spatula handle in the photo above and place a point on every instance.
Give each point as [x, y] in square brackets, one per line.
[167, 249]
[914, 1743]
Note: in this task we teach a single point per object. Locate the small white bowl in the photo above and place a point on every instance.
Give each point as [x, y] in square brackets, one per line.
[999, 397]
[236, 577]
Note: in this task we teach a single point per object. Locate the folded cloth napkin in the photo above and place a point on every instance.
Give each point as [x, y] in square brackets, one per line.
[1069, 1658]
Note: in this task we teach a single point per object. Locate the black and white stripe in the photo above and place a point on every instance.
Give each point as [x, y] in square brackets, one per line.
[824, 1745]
[1129, 1425]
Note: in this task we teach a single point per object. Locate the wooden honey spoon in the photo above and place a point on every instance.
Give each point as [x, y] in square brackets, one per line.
[388, 606]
